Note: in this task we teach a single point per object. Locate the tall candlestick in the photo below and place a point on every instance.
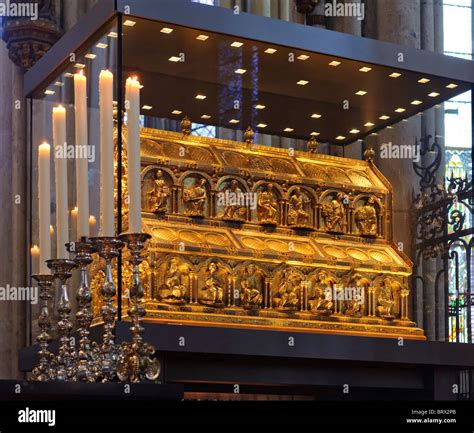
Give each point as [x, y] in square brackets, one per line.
[106, 106]
[44, 204]
[60, 160]
[132, 100]
[82, 165]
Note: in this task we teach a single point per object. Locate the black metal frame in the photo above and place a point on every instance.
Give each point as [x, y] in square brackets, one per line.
[253, 344]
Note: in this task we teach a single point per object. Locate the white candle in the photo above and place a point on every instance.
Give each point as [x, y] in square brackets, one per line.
[60, 160]
[106, 107]
[92, 225]
[74, 222]
[44, 205]
[132, 100]
[82, 165]
[35, 258]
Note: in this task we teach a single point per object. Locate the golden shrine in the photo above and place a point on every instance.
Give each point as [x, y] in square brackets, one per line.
[253, 236]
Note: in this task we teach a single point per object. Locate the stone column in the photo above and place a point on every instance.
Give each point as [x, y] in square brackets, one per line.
[353, 26]
[399, 22]
[429, 266]
[12, 217]
[346, 24]
[369, 24]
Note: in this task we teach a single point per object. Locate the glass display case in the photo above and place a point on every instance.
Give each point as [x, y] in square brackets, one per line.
[250, 225]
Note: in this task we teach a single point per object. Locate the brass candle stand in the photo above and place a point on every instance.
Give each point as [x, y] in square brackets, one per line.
[88, 367]
[45, 370]
[135, 360]
[108, 248]
[66, 358]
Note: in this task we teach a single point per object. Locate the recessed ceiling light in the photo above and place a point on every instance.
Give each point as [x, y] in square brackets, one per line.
[59, 84]
[240, 71]
[438, 106]
[233, 121]
[205, 116]
[174, 59]
[166, 30]
[202, 37]
[340, 137]
[260, 106]
[374, 133]
[236, 44]
[262, 125]
[147, 107]
[176, 112]
[288, 130]
[361, 92]
[354, 131]
[129, 23]
[384, 117]
[68, 75]
[400, 110]
[433, 94]
[49, 92]
[395, 75]
[112, 35]
[303, 57]
[201, 97]
[302, 82]
[389, 127]
[270, 51]
[316, 116]
[101, 45]
[369, 124]
[404, 120]
[452, 86]
[315, 134]
[334, 63]
[79, 65]
[424, 80]
[416, 102]
[90, 56]
[365, 69]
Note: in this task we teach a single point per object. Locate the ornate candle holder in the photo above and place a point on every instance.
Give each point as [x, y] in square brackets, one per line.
[135, 361]
[88, 353]
[108, 248]
[45, 369]
[66, 359]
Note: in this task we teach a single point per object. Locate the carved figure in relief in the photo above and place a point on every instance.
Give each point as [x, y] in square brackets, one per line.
[357, 287]
[194, 198]
[322, 301]
[174, 289]
[298, 216]
[333, 214]
[385, 300]
[267, 206]
[213, 287]
[366, 218]
[159, 194]
[252, 285]
[287, 297]
[234, 211]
